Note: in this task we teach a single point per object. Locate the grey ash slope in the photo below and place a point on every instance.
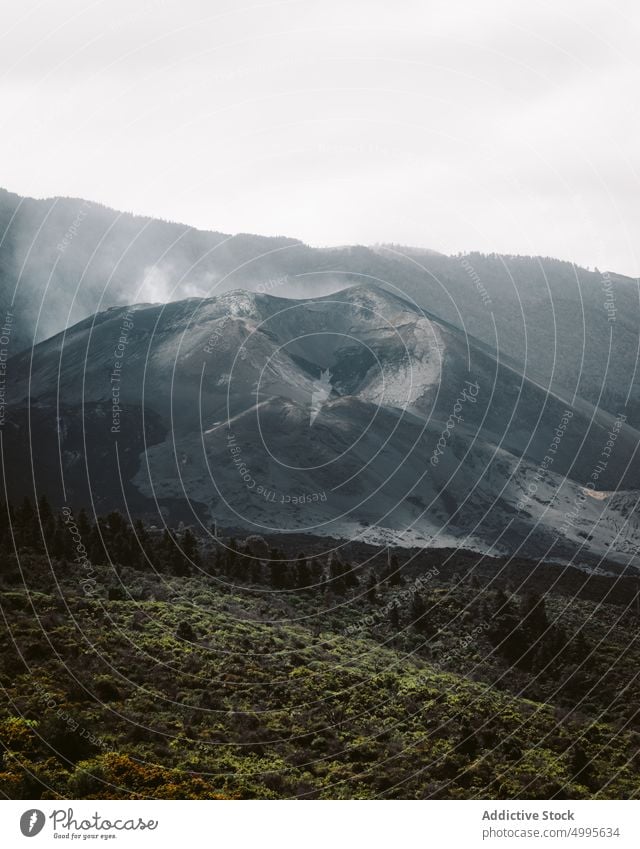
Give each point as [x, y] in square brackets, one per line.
[574, 330]
[335, 406]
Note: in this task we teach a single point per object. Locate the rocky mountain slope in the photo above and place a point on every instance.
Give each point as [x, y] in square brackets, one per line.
[357, 415]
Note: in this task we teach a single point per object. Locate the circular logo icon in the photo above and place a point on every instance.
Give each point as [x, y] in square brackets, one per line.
[32, 822]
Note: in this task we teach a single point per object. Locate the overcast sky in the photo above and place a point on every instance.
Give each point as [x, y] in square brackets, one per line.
[493, 126]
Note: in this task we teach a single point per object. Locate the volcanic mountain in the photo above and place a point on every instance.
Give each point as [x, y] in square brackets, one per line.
[358, 414]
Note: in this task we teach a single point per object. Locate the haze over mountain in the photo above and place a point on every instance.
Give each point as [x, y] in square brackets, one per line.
[572, 330]
[353, 415]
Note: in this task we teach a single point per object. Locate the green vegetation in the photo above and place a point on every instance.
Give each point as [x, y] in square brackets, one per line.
[164, 665]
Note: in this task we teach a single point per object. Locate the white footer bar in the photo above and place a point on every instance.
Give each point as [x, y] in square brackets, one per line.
[320, 825]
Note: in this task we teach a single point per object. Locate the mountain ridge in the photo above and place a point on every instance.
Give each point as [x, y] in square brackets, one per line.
[68, 260]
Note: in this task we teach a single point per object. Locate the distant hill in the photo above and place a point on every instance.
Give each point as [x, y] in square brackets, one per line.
[573, 330]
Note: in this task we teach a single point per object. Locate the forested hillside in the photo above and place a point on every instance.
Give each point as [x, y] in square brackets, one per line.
[140, 662]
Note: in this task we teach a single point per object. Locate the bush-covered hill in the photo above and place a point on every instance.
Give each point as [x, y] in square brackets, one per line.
[160, 665]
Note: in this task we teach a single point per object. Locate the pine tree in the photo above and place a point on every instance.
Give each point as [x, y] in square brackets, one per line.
[47, 520]
[372, 590]
[60, 541]
[95, 546]
[27, 530]
[231, 559]
[84, 525]
[256, 571]
[278, 570]
[190, 547]
[303, 575]
[317, 573]
[337, 583]
[350, 576]
[395, 578]
[418, 612]
[533, 614]
[143, 544]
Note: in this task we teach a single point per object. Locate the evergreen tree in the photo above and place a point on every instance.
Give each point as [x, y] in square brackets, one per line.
[190, 547]
[256, 571]
[533, 615]
[278, 570]
[372, 590]
[47, 520]
[395, 578]
[303, 575]
[83, 525]
[27, 530]
[317, 572]
[60, 540]
[418, 612]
